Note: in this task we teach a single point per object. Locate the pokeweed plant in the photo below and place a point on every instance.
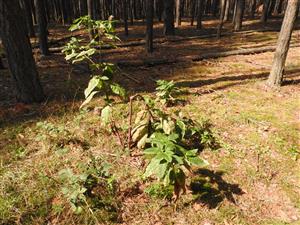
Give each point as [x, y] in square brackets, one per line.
[77, 50]
[171, 142]
[170, 162]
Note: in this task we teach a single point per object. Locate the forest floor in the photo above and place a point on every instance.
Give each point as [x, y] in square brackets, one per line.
[252, 178]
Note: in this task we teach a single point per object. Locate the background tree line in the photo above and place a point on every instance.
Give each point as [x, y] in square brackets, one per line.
[15, 31]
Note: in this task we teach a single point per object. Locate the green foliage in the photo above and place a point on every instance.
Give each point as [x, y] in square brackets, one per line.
[160, 191]
[169, 160]
[78, 51]
[79, 188]
[166, 91]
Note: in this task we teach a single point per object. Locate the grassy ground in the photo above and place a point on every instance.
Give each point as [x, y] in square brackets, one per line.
[253, 177]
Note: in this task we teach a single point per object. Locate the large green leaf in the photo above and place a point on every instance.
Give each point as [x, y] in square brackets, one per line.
[88, 99]
[152, 167]
[91, 86]
[196, 161]
[106, 114]
[118, 90]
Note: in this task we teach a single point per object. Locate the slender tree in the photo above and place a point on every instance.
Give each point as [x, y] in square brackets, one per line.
[42, 24]
[169, 17]
[125, 15]
[240, 7]
[264, 15]
[222, 14]
[149, 31]
[19, 54]
[200, 9]
[276, 75]
[178, 16]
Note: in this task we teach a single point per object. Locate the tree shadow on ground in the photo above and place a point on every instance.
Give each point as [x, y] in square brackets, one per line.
[211, 189]
[293, 73]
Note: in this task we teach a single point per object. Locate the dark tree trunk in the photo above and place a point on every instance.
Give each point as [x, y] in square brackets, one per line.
[22, 65]
[149, 31]
[42, 24]
[125, 14]
[200, 9]
[160, 9]
[252, 8]
[240, 7]
[264, 16]
[193, 11]
[276, 75]
[169, 17]
[28, 14]
[1, 64]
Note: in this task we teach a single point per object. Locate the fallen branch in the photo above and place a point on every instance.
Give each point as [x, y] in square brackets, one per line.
[210, 55]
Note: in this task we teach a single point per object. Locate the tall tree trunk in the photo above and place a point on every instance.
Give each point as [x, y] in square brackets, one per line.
[169, 17]
[15, 40]
[200, 9]
[193, 6]
[227, 10]
[252, 8]
[178, 16]
[149, 31]
[42, 24]
[29, 20]
[264, 15]
[239, 15]
[222, 7]
[277, 8]
[91, 15]
[276, 75]
[125, 14]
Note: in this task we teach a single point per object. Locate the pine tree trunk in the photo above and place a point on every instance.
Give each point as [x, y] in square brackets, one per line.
[169, 17]
[149, 31]
[222, 7]
[200, 10]
[42, 24]
[22, 65]
[239, 15]
[29, 20]
[125, 14]
[264, 16]
[252, 9]
[276, 75]
[178, 19]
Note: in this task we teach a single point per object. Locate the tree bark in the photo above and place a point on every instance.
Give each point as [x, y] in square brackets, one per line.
[276, 75]
[169, 17]
[42, 24]
[221, 22]
[125, 14]
[239, 15]
[29, 20]
[200, 9]
[264, 15]
[149, 31]
[252, 9]
[178, 16]
[18, 51]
